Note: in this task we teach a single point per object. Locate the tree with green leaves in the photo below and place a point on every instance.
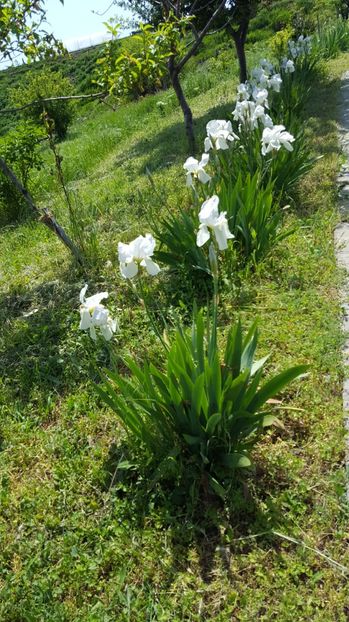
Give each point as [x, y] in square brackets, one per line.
[22, 33]
[234, 16]
[22, 30]
[172, 23]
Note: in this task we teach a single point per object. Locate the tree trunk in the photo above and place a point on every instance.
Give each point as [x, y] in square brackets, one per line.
[239, 37]
[43, 215]
[188, 115]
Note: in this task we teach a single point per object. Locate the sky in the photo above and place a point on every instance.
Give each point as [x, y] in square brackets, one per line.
[77, 23]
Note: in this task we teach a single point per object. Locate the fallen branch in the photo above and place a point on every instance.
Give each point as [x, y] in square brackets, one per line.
[43, 214]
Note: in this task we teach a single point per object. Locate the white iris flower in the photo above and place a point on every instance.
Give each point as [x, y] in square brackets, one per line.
[137, 253]
[248, 112]
[211, 219]
[267, 66]
[275, 82]
[260, 77]
[260, 96]
[244, 90]
[288, 66]
[275, 138]
[195, 169]
[94, 315]
[219, 135]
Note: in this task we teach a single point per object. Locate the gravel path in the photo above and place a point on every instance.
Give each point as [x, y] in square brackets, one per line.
[341, 238]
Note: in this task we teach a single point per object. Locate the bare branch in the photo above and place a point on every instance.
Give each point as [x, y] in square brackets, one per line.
[53, 99]
[101, 13]
[200, 37]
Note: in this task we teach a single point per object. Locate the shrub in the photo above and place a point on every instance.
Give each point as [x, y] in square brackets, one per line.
[278, 43]
[20, 150]
[41, 85]
[131, 74]
[200, 415]
[254, 216]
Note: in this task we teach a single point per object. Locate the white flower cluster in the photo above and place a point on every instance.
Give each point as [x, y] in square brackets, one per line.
[264, 77]
[92, 313]
[250, 111]
[300, 47]
[252, 102]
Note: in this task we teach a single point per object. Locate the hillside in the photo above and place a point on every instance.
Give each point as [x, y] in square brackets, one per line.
[79, 66]
[88, 533]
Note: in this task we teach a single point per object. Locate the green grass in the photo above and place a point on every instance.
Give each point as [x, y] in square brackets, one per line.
[84, 542]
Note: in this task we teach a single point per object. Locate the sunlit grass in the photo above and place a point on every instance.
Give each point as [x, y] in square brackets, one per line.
[81, 541]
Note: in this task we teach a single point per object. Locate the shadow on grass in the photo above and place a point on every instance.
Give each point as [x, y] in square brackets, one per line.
[321, 114]
[41, 351]
[215, 530]
[166, 146]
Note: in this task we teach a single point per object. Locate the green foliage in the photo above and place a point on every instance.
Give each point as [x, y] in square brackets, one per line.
[21, 30]
[331, 40]
[177, 236]
[279, 42]
[254, 216]
[20, 149]
[41, 85]
[82, 540]
[133, 74]
[201, 411]
[286, 168]
[288, 105]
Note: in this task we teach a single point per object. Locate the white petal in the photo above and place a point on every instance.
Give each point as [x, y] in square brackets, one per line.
[95, 300]
[85, 319]
[203, 177]
[204, 159]
[221, 238]
[124, 252]
[191, 164]
[93, 333]
[149, 246]
[221, 143]
[82, 293]
[288, 146]
[107, 332]
[129, 270]
[189, 180]
[222, 233]
[100, 316]
[209, 211]
[151, 267]
[203, 235]
[268, 122]
[113, 324]
[207, 145]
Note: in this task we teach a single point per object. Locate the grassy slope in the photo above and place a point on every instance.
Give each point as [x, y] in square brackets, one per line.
[74, 548]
